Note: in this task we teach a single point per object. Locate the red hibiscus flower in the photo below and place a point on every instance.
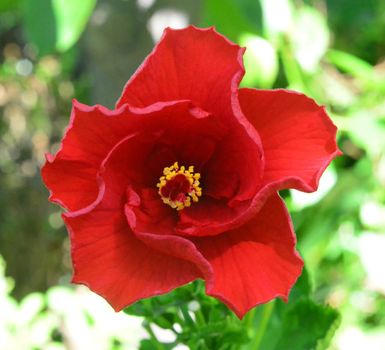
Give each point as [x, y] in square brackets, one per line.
[180, 181]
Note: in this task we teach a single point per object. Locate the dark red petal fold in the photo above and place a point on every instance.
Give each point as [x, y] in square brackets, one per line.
[192, 63]
[236, 167]
[211, 217]
[153, 223]
[72, 183]
[92, 132]
[256, 262]
[298, 137]
[145, 212]
[71, 173]
[230, 180]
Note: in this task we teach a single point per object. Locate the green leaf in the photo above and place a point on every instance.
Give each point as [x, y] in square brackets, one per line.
[308, 326]
[302, 288]
[146, 344]
[40, 24]
[296, 326]
[6, 5]
[351, 64]
[228, 18]
[71, 19]
[55, 25]
[150, 344]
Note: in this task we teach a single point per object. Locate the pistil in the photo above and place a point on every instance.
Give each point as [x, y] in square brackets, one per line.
[179, 186]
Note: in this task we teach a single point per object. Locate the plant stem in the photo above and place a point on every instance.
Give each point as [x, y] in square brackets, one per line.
[200, 319]
[153, 337]
[250, 318]
[266, 314]
[189, 321]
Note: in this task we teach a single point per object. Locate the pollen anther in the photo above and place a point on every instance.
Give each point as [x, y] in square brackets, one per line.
[179, 187]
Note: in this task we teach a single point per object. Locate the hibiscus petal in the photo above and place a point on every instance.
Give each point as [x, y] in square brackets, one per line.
[71, 175]
[254, 263]
[210, 217]
[76, 186]
[196, 64]
[112, 262]
[153, 223]
[145, 212]
[299, 139]
[108, 257]
[267, 241]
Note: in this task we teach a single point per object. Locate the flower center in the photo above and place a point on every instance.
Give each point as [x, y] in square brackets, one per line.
[178, 186]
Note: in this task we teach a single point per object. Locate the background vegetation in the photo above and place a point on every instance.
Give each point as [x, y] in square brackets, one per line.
[333, 50]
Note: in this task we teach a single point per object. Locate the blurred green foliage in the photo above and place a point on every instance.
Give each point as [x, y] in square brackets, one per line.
[331, 50]
[204, 323]
[60, 26]
[62, 318]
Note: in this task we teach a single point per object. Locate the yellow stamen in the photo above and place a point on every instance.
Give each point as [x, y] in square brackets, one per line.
[184, 199]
